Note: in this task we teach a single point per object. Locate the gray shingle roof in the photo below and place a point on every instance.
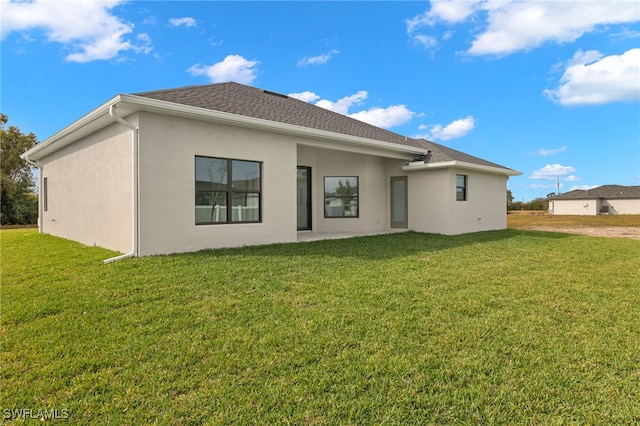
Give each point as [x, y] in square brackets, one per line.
[610, 192]
[249, 101]
[440, 153]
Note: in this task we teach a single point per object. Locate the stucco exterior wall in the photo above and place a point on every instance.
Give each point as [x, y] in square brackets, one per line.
[168, 147]
[575, 207]
[89, 190]
[592, 207]
[373, 187]
[428, 201]
[433, 207]
[624, 206]
[486, 205]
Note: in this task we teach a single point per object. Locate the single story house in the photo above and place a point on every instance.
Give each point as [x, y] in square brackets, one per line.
[226, 164]
[605, 199]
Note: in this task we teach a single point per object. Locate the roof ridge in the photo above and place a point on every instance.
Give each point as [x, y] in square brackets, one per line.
[612, 191]
[192, 86]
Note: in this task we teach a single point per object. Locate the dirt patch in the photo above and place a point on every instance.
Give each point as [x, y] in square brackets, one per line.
[632, 232]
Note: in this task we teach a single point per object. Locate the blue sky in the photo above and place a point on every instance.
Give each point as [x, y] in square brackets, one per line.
[551, 89]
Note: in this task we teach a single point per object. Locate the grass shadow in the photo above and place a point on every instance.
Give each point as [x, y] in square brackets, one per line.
[377, 247]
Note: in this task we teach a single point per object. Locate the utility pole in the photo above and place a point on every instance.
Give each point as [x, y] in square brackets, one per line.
[558, 185]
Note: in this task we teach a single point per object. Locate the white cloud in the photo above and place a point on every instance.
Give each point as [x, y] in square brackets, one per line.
[318, 60]
[304, 96]
[514, 25]
[187, 21]
[572, 178]
[551, 172]
[342, 105]
[443, 10]
[455, 129]
[144, 45]
[542, 186]
[591, 78]
[581, 58]
[232, 68]
[394, 115]
[426, 41]
[625, 33]
[88, 28]
[548, 152]
[583, 187]
[447, 11]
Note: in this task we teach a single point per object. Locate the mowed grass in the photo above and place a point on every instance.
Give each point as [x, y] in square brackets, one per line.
[506, 327]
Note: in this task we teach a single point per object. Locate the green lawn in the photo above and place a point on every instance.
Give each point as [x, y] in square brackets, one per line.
[506, 327]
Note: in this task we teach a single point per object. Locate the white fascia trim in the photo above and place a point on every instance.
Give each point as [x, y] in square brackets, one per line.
[258, 123]
[133, 103]
[101, 111]
[460, 165]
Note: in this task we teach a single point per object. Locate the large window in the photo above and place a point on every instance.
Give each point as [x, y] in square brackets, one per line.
[461, 187]
[227, 191]
[341, 196]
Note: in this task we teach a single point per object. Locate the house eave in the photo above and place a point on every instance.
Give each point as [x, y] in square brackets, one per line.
[417, 166]
[187, 111]
[89, 123]
[593, 198]
[128, 104]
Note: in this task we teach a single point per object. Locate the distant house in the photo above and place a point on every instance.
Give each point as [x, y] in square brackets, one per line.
[606, 199]
[226, 165]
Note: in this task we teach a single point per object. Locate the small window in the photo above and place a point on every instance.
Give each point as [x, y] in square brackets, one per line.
[461, 187]
[341, 196]
[217, 201]
[45, 196]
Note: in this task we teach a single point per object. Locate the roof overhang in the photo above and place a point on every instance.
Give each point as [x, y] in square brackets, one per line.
[129, 104]
[90, 123]
[419, 165]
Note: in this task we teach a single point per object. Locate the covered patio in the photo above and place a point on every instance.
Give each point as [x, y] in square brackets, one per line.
[306, 236]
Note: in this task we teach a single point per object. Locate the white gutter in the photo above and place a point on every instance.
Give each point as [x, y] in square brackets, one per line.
[420, 165]
[134, 187]
[132, 103]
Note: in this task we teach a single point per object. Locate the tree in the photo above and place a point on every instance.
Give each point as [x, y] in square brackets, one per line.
[509, 198]
[18, 201]
[347, 193]
[539, 204]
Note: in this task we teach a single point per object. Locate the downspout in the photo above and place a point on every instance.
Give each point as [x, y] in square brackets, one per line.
[134, 188]
[36, 164]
